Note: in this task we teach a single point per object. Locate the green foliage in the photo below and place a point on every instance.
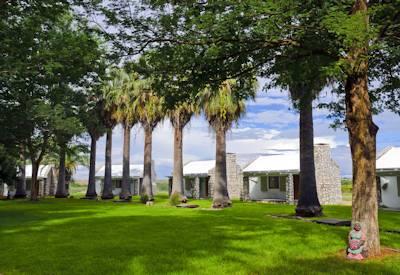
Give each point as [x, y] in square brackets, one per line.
[120, 96]
[8, 165]
[144, 198]
[162, 186]
[347, 185]
[75, 154]
[224, 107]
[175, 199]
[44, 73]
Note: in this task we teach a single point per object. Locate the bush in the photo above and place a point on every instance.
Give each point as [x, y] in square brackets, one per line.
[175, 199]
[144, 198]
[347, 185]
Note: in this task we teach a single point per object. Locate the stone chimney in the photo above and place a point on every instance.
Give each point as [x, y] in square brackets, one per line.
[327, 174]
[322, 152]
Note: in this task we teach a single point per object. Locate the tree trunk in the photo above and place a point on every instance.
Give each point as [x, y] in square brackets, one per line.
[362, 137]
[125, 192]
[308, 204]
[20, 192]
[362, 134]
[177, 177]
[107, 187]
[91, 188]
[61, 190]
[34, 184]
[221, 196]
[147, 188]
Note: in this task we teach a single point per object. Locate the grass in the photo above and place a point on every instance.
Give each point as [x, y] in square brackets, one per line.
[72, 236]
[347, 186]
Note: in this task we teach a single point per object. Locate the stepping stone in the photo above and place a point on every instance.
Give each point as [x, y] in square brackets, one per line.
[333, 222]
[187, 205]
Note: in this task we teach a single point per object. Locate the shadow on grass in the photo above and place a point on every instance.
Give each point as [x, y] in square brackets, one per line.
[96, 237]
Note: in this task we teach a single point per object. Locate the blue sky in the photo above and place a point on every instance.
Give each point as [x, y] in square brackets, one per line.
[269, 125]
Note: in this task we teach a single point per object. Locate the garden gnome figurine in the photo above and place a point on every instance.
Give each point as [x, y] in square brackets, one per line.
[356, 242]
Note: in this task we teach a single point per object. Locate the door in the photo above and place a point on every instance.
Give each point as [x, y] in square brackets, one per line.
[203, 188]
[296, 186]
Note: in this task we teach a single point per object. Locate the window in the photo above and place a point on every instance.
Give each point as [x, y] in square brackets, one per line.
[117, 183]
[282, 185]
[273, 182]
[188, 184]
[28, 185]
[264, 184]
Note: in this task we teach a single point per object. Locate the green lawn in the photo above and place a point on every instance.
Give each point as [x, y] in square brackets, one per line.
[72, 236]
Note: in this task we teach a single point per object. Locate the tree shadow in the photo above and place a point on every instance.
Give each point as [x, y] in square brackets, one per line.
[98, 237]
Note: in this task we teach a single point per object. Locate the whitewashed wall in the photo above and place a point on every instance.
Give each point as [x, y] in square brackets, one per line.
[390, 196]
[255, 192]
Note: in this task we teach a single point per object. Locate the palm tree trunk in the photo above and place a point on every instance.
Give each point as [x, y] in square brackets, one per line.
[107, 187]
[177, 177]
[61, 190]
[125, 192]
[147, 188]
[20, 192]
[221, 196]
[308, 204]
[91, 188]
[34, 184]
[362, 133]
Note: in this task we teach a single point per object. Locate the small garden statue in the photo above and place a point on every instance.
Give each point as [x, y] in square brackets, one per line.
[355, 250]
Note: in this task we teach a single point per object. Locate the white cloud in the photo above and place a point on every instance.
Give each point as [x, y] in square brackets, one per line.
[265, 131]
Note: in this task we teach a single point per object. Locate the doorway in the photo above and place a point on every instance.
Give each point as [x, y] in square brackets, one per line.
[296, 186]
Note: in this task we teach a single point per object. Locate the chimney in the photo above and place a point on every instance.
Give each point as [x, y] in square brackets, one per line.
[322, 151]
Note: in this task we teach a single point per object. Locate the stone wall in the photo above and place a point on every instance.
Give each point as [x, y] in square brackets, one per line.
[234, 177]
[290, 189]
[327, 174]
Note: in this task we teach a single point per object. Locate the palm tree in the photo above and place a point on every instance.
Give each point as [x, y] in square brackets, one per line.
[180, 116]
[304, 79]
[75, 155]
[222, 108]
[150, 110]
[109, 122]
[308, 204]
[123, 97]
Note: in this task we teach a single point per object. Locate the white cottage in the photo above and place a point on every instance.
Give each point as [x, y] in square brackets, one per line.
[47, 182]
[388, 177]
[47, 178]
[136, 178]
[276, 177]
[199, 178]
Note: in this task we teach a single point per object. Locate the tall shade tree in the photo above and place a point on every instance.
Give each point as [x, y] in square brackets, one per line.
[367, 32]
[300, 71]
[150, 110]
[66, 127]
[44, 63]
[91, 117]
[246, 36]
[180, 115]
[222, 108]
[123, 96]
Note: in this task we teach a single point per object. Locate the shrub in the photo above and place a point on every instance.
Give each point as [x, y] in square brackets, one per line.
[175, 199]
[144, 198]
